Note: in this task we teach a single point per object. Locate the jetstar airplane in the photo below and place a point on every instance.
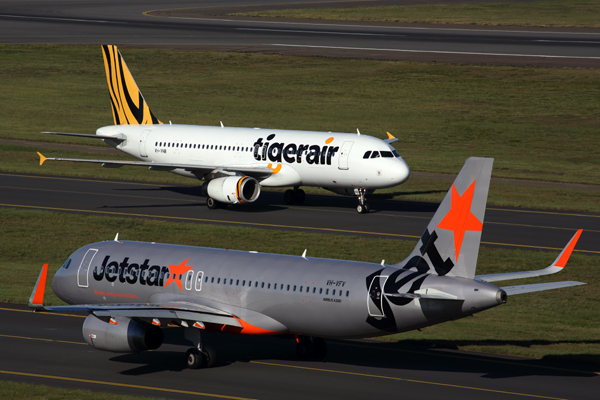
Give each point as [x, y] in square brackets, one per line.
[132, 289]
[235, 162]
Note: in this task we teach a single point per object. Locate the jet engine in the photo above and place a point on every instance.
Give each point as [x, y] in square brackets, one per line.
[121, 335]
[232, 189]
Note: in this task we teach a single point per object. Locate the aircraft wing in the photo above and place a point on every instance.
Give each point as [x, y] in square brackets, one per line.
[253, 171]
[553, 268]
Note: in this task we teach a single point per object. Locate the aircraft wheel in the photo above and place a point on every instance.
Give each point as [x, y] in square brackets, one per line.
[194, 359]
[288, 196]
[319, 349]
[304, 349]
[363, 208]
[300, 196]
[210, 356]
[211, 203]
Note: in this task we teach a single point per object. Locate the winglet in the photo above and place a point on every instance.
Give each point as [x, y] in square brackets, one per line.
[390, 138]
[36, 301]
[564, 255]
[42, 158]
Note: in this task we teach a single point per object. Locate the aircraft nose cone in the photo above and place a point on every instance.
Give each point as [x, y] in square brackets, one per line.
[402, 172]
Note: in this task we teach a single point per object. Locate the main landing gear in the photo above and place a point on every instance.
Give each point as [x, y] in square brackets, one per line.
[199, 356]
[296, 196]
[363, 206]
[311, 348]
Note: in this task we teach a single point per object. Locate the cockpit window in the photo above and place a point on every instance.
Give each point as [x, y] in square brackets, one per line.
[367, 154]
[396, 153]
[387, 154]
[375, 154]
[66, 264]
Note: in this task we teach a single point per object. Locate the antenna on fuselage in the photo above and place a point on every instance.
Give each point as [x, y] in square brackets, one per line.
[221, 124]
[383, 263]
[304, 254]
[117, 237]
[357, 131]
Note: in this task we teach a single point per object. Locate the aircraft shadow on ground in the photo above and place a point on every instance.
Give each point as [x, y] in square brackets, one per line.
[438, 356]
[273, 200]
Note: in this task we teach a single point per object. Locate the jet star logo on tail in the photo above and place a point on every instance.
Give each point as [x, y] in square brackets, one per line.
[177, 271]
[460, 219]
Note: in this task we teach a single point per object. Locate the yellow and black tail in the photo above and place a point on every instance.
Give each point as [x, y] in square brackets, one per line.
[128, 104]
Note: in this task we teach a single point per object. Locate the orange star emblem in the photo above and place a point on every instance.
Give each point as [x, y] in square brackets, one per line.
[177, 272]
[460, 219]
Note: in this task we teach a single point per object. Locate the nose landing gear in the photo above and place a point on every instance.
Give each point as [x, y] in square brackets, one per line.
[363, 206]
[311, 348]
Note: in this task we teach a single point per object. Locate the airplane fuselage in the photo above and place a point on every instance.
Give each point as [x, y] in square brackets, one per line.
[271, 293]
[297, 158]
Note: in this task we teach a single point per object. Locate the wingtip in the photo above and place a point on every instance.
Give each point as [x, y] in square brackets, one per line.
[390, 136]
[563, 257]
[42, 158]
[36, 301]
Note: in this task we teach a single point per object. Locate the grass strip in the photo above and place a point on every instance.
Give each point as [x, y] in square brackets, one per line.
[559, 13]
[560, 323]
[19, 390]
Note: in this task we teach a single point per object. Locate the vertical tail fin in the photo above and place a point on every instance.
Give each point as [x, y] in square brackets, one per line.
[450, 244]
[128, 104]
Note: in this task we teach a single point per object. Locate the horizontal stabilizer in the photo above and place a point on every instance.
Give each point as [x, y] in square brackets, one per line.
[538, 287]
[119, 138]
[553, 268]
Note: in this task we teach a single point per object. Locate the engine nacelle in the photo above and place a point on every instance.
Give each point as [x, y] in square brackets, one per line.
[233, 189]
[126, 336]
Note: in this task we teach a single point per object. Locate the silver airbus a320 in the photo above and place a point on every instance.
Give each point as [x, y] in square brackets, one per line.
[132, 290]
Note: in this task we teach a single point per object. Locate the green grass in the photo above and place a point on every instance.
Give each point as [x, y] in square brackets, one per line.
[18, 390]
[560, 13]
[559, 323]
[538, 124]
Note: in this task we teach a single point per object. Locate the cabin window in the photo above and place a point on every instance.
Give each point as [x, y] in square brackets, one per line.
[300, 289]
[320, 290]
[375, 154]
[218, 280]
[237, 282]
[314, 290]
[206, 280]
[231, 281]
[268, 286]
[262, 286]
[212, 280]
[256, 284]
[249, 283]
[220, 147]
[333, 292]
[294, 288]
[387, 154]
[347, 293]
[199, 280]
[243, 283]
[288, 288]
[326, 291]
[275, 286]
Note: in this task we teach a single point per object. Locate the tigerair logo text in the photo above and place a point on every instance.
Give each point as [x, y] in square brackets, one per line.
[143, 274]
[294, 153]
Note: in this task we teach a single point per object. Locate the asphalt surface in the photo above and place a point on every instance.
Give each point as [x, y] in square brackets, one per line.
[334, 214]
[49, 349]
[204, 25]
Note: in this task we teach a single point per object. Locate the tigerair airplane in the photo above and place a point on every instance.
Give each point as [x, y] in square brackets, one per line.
[132, 290]
[235, 162]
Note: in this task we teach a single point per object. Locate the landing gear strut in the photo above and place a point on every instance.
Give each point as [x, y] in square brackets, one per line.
[311, 348]
[363, 206]
[199, 356]
[296, 196]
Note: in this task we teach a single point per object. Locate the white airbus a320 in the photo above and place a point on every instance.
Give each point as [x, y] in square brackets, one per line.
[235, 162]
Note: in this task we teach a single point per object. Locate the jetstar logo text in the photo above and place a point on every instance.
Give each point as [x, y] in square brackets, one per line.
[144, 273]
[293, 153]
